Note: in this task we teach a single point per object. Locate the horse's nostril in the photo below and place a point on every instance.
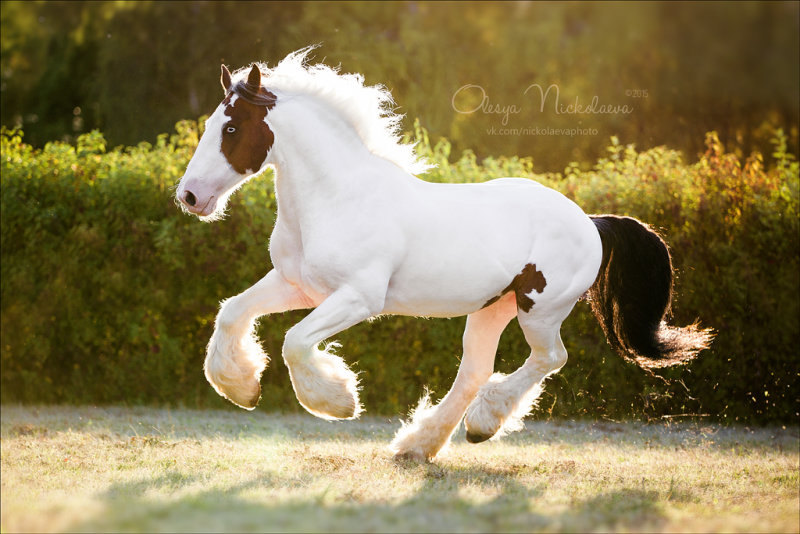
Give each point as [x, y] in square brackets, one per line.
[190, 199]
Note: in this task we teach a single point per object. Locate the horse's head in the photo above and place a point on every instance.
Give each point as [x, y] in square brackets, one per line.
[234, 146]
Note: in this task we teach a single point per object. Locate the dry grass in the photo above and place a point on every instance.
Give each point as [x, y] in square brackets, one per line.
[119, 469]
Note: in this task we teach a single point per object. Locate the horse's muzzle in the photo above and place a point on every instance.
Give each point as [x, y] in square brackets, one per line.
[189, 199]
[193, 205]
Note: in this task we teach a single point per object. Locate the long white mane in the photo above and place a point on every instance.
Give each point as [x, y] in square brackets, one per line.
[369, 109]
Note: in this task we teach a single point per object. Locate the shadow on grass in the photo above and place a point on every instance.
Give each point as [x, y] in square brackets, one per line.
[179, 424]
[438, 505]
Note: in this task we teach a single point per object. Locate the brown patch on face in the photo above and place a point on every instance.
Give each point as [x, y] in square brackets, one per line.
[247, 146]
[522, 284]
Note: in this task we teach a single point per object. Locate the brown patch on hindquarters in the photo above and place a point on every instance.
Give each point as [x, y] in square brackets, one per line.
[522, 284]
[525, 282]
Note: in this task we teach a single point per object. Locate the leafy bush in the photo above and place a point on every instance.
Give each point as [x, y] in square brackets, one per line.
[109, 292]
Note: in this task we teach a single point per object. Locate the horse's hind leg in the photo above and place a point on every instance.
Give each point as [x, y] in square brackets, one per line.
[430, 427]
[234, 358]
[505, 399]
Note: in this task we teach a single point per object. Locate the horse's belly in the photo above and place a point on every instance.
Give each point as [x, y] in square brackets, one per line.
[471, 252]
[422, 306]
[450, 278]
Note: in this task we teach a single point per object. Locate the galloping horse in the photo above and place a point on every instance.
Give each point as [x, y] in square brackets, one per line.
[359, 235]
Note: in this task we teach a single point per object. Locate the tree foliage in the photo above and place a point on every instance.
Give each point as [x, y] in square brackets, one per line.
[132, 69]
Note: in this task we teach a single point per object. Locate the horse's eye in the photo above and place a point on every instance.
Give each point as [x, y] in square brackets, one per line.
[230, 129]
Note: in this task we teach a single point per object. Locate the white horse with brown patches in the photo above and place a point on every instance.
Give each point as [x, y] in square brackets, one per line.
[359, 235]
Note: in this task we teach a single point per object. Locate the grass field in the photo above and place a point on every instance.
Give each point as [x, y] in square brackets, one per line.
[140, 469]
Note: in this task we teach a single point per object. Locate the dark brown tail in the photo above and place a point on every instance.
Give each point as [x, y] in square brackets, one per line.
[632, 296]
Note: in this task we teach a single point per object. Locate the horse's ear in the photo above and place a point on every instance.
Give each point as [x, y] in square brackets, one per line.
[225, 79]
[254, 78]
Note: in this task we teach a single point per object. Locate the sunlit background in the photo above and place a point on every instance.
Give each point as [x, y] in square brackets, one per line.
[133, 69]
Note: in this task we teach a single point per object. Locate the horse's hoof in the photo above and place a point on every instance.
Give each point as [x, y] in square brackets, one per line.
[255, 399]
[347, 411]
[345, 407]
[477, 438]
[249, 402]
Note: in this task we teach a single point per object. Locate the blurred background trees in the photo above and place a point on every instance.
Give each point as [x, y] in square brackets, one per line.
[133, 69]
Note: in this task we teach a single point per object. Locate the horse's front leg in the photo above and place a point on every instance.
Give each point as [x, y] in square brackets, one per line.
[322, 381]
[234, 357]
[430, 427]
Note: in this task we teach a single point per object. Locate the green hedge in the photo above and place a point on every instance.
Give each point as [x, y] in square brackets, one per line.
[109, 292]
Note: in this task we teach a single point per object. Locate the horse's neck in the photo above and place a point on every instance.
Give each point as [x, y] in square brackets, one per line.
[319, 160]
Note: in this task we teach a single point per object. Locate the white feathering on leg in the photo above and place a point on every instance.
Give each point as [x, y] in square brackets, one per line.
[234, 365]
[420, 438]
[325, 385]
[485, 414]
[499, 408]
[515, 420]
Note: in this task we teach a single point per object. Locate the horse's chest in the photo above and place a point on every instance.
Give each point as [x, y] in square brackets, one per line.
[290, 258]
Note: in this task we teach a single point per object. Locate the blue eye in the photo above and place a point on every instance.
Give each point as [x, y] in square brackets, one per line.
[230, 129]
